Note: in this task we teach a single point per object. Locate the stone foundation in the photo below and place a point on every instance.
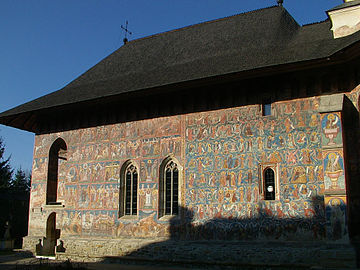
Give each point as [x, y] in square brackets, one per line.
[205, 252]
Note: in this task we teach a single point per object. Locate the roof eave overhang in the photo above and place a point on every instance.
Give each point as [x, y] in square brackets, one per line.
[28, 120]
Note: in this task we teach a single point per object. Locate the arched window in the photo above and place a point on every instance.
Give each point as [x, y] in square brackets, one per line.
[57, 152]
[269, 184]
[129, 190]
[169, 189]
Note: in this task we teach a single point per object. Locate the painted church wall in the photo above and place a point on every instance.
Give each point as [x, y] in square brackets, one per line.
[221, 153]
[88, 181]
[224, 153]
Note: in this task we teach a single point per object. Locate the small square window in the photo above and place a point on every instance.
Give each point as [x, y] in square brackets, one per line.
[266, 108]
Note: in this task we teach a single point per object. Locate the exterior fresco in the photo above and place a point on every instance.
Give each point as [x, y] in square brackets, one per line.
[224, 152]
[336, 225]
[331, 127]
[89, 180]
[221, 153]
[334, 177]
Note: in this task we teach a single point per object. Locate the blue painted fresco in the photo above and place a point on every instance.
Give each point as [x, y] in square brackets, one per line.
[224, 153]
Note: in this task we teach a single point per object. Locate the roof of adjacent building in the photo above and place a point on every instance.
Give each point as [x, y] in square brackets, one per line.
[250, 41]
[345, 5]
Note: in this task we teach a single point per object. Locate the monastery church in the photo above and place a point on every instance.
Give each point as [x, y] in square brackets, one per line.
[231, 141]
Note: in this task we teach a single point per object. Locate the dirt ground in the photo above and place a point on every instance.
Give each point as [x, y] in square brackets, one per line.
[20, 260]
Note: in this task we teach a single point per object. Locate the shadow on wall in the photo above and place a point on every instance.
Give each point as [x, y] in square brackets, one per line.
[351, 123]
[226, 239]
[266, 225]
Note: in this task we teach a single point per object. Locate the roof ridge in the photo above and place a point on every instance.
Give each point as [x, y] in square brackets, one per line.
[201, 23]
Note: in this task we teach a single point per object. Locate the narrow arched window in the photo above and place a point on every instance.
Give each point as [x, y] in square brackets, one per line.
[56, 154]
[129, 190]
[269, 184]
[169, 190]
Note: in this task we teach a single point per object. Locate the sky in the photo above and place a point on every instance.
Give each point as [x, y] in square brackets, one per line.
[45, 44]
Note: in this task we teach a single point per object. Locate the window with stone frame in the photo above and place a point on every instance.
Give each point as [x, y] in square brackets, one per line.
[129, 190]
[269, 184]
[169, 189]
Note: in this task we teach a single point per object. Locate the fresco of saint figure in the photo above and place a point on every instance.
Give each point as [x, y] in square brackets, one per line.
[331, 126]
[333, 171]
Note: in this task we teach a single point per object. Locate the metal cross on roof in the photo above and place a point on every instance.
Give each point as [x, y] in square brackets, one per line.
[126, 32]
[280, 2]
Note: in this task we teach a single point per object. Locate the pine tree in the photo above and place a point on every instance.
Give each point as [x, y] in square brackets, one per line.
[21, 181]
[19, 203]
[14, 198]
[5, 169]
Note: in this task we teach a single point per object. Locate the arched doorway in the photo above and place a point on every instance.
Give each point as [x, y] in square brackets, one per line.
[52, 234]
[57, 152]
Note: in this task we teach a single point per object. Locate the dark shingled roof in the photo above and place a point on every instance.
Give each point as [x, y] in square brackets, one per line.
[249, 41]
